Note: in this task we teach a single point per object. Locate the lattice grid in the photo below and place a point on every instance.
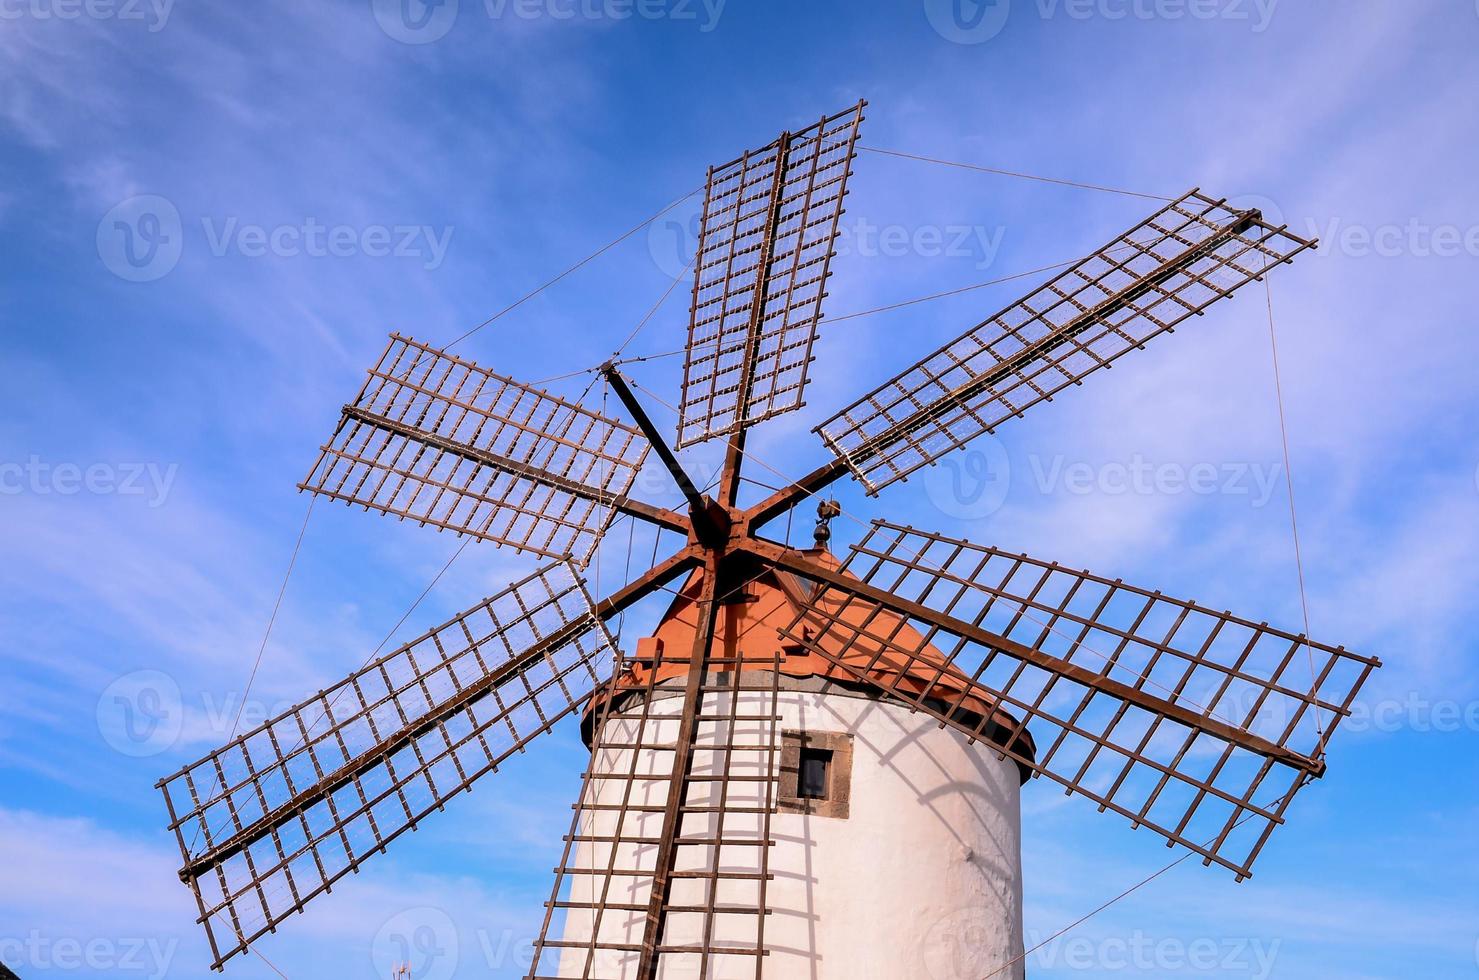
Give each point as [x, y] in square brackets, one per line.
[444, 442]
[710, 918]
[276, 816]
[1171, 266]
[1192, 722]
[771, 214]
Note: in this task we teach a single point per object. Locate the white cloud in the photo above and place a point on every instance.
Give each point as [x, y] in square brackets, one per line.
[66, 881]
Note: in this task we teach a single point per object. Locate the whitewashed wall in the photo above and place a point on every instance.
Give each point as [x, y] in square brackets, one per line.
[921, 880]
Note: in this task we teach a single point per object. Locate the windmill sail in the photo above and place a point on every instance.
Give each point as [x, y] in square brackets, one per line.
[1175, 264]
[1195, 723]
[275, 817]
[666, 868]
[764, 254]
[441, 441]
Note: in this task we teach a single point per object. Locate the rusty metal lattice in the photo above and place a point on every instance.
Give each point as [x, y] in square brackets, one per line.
[275, 817]
[1192, 722]
[764, 254]
[666, 867]
[1171, 266]
[441, 441]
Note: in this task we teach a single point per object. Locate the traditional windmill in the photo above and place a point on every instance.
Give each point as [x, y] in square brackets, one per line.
[799, 736]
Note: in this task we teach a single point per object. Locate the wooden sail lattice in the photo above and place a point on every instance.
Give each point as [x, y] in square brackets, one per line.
[438, 440]
[275, 817]
[1173, 265]
[1196, 724]
[765, 249]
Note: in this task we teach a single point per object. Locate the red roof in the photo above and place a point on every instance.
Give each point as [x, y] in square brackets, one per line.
[749, 626]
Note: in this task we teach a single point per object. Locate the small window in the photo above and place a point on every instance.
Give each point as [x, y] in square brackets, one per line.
[816, 773]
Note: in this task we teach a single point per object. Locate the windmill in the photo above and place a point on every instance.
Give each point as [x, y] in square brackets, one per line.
[800, 735]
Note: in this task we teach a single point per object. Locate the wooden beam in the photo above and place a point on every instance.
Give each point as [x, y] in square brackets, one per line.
[796, 562]
[660, 516]
[662, 877]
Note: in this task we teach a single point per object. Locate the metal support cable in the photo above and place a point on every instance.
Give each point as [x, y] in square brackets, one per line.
[597, 253]
[1118, 898]
[1293, 518]
[1015, 173]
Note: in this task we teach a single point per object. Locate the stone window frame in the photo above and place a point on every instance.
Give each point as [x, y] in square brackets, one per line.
[839, 773]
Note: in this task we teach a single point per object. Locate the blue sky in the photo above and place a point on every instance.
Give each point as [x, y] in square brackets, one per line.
[153, 431]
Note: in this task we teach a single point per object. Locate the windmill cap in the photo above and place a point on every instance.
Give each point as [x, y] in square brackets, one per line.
[756, 613]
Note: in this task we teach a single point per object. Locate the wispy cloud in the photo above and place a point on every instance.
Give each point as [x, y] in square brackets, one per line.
[529, 139]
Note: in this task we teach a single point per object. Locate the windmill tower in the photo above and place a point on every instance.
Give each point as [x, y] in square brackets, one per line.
[812, 767]
[790, 803]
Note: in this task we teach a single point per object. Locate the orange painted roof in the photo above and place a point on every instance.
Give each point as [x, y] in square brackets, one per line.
[749, 630]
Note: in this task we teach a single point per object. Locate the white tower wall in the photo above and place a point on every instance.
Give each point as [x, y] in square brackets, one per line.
[921, 879]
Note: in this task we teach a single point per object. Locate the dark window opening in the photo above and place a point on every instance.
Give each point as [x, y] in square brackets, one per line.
[814, 780]
[815, 774]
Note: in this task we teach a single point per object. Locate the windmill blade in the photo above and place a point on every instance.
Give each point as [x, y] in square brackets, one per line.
[274, 818]
[441, 441]
[1175, 264]
[666, 868]
[764, 254]
[1195, 723]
